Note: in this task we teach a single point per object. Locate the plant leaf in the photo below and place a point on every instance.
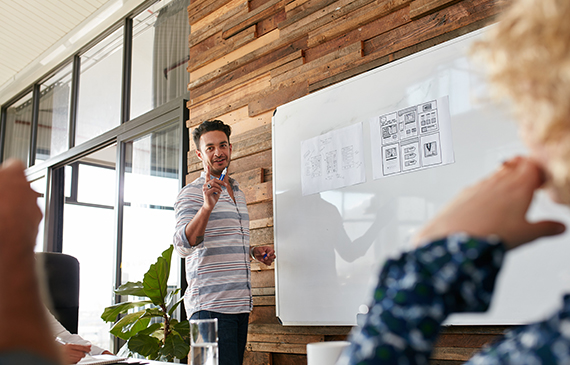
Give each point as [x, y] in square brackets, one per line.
[182, 328]
[175, 306]
[145, 345]
[130, 325]
[171, 296]
[156, 278]
[175, 346]
[151, 329]
[153, 312]
[131, 288]
[110, 313]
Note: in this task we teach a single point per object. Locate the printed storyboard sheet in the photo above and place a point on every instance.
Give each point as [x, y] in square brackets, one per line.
[413, 138]
[333, 160]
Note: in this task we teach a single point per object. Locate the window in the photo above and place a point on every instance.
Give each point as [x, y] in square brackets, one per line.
[18, 129]
[160, 55]
[88, 235]
[53, 116]
[99, 108]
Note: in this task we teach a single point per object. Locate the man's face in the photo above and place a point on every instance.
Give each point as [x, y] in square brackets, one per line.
[215, 151]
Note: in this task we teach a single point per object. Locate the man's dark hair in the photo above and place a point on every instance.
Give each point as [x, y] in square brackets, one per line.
[208, 126]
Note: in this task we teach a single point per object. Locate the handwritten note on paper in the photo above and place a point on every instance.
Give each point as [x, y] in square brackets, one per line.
[333, 160]
[413, 138]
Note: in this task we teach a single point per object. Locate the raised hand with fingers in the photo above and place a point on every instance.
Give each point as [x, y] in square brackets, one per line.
[495, 206]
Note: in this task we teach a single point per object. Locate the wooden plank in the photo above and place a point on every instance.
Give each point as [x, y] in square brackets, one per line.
[263, 291]
[228, 58]
[261, 236]
[289, 359]
[261, 223]
[259, 193]
[249, 178]
[268, 9]
[267, 25]
[263, 314]
[257, 358]
[277, 347]
[292, 6]
[353, 51]
[258, 266]
[302, 339]
[260, 210]
[215, 47]
[447, 20]
[421, 8]
[215, 83]
[263, 300]
[214, 22]
[370, 30]
[453, 353]
[245, 123]
[298, 62]
[244, 66]
[464, 340]
[322, 17]
[259, 159]
[358, 18]
[271, 100]
[199, 9]
[304, 10]
[299, 330]
[262, 278]
[476, 330]
[228, 101]
[370, 62]
[334, 67]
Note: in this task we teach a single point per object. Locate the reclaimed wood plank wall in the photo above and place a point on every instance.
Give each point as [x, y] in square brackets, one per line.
[247, 57]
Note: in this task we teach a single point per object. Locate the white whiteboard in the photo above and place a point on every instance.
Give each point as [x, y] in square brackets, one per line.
[330, 245]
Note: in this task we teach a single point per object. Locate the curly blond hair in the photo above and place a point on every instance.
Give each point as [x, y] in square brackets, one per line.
[529, 54]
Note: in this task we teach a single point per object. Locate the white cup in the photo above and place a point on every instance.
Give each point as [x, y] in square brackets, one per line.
[325, 353]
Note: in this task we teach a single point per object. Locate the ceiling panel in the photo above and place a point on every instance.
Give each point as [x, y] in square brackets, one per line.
[28, 28]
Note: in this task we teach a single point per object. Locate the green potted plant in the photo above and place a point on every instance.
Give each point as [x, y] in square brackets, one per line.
[166, 338]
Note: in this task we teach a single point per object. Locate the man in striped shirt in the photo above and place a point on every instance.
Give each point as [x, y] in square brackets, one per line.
[212, 233]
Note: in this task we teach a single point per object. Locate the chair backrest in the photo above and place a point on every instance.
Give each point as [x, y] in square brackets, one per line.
[62, 281]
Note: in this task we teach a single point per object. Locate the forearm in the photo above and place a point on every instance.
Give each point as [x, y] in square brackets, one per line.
[22, 314]
[196, 228]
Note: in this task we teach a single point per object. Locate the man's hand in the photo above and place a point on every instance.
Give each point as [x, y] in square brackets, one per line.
[212, 190]
[264, 254]
[495, 206]
[72, 353]
[19, 211]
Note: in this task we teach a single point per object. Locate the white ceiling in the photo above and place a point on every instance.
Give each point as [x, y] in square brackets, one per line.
[36, 35]
[28, 28]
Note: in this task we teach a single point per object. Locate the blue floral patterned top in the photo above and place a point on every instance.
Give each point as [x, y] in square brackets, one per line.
[416, 293]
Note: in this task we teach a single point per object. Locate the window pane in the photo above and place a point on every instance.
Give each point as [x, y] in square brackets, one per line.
[99, 105]
[53, 120]
[89, 235]
[151, 186]
[96, 185]
[18, 130]
[160, 55]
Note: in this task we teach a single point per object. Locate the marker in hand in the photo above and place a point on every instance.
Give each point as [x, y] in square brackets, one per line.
[223, 174]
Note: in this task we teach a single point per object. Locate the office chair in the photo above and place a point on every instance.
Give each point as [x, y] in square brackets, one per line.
[62, 282]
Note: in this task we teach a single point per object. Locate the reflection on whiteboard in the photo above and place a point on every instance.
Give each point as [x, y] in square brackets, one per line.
[413, 138]
[333, 160]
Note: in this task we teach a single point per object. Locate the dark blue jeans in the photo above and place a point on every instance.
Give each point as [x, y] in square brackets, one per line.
[232, 335]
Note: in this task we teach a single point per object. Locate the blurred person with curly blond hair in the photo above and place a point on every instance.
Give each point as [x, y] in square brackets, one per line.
[463, 247]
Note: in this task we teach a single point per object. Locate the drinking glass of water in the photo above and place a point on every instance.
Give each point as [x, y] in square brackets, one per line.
[204, 341]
